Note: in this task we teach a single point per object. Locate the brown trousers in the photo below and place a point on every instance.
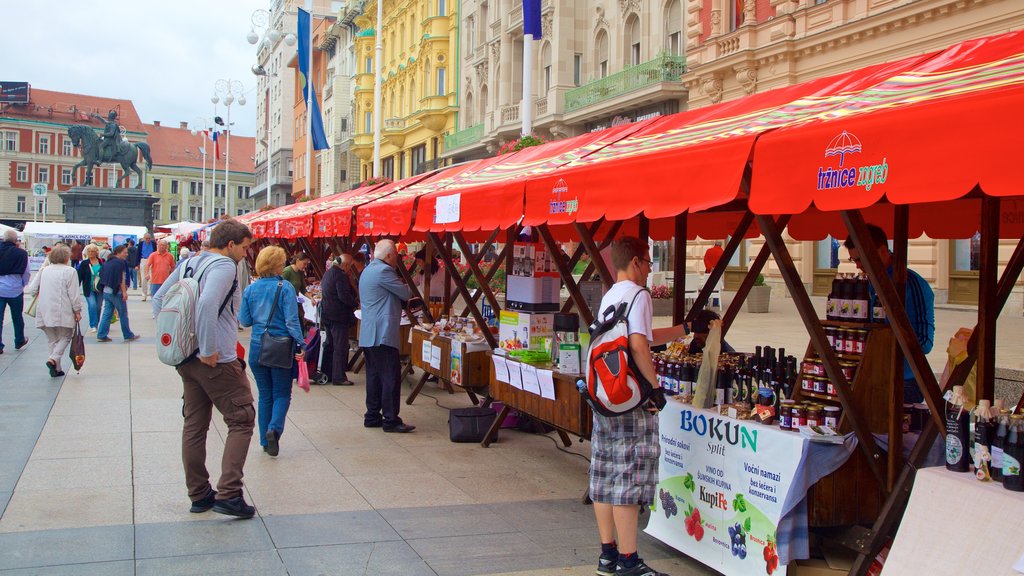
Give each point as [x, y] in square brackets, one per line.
[227, 388]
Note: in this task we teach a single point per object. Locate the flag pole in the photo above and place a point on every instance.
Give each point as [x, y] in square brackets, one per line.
[526, 107]
[309, 100]
[213, 175]
[378, 70]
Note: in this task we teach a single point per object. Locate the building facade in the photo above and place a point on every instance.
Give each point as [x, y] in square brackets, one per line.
[275, 89]
[598, 64]
[180, 174]
[35, 148]
[419, 92]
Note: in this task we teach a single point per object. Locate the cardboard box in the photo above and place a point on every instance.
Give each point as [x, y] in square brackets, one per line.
[519, 330]
[532, 260]
[533, 290]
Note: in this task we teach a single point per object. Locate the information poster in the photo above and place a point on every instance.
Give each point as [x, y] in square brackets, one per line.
[722, 487]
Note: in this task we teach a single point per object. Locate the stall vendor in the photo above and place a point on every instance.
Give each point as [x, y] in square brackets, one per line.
[919, 302]
[701, 327]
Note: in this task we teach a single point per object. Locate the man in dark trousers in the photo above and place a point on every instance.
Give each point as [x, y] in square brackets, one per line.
[146, 248]
[133, 264]
[114, 279]
[338, 314]
[381, 293]
[14, 276]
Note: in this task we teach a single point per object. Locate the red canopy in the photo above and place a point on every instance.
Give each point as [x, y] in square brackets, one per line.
[927, 134]
[296, 220]
[336, 221]
[492, 196]
[689, 161]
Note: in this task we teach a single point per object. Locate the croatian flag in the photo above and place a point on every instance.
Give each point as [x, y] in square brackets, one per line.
[531, 18]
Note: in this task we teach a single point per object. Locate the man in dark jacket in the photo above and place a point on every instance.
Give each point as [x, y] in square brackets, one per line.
[133, 264]
[14, 276]
[113, 277]
[338, 306]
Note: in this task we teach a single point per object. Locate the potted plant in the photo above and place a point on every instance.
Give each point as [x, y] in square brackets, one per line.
[760, 296]
[661, 300]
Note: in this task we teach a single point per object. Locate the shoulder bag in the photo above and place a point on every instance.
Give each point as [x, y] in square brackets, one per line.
[276, 351]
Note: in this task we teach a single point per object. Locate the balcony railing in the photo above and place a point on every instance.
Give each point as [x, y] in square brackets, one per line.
[515, 16]
[464, 137]
[661, 69]
[394, 124]
[510, 114]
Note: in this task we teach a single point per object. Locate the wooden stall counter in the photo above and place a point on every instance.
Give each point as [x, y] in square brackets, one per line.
[557, 403]
[466, 368]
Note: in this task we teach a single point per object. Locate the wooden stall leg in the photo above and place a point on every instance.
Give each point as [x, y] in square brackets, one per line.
[679, 270]
[416, 389]
[473, 397]
[566, 441]
[987, 282]
[493, 431]
[719, 270]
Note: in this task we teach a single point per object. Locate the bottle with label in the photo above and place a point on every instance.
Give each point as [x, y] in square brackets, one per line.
[999, 444]
[957, 432]
[859, 305]
[832, 303]
[983, 431]
[1013, 455]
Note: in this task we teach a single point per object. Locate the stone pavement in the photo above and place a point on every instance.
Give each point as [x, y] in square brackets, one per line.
[91, 483]
[91, 479]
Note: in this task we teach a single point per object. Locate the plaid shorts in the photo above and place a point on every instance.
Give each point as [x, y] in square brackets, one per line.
[624, 458]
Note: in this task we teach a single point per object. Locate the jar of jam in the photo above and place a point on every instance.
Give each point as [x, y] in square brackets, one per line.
[786, 415]
[815, 415]
[859, 340]
[830, 388]
[821, 385]
[850, 343]
[832, 414]
[830, 334]
[799, 416]
[807, 383]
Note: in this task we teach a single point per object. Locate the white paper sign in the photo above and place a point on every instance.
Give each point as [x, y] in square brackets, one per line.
[515, 377]
[530, 383]
[546, 380]
[447, 209]
[435, 357]
[500, 368]
[425, 351]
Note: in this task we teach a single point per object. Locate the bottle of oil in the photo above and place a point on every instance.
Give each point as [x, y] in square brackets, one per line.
[957, 432]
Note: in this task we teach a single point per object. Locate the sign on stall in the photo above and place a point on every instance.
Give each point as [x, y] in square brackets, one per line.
[447, 209]
[722, 490]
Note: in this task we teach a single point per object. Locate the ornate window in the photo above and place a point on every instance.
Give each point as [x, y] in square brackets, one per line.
[633, 41]
[601, 50]
[673, 28]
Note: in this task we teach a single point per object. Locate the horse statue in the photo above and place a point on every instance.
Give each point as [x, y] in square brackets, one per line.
[125, 154]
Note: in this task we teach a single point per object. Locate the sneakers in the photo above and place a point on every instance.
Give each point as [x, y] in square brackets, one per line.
[606, 564]
[93, 329]
[641, 569]
[273, 447]
[204, 503]
[20, 346]
[234, 507]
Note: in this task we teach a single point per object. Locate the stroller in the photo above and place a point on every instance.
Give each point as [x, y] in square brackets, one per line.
[315, 352]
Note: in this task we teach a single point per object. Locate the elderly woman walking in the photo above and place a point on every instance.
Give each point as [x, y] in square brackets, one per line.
[59, 305]
[268, 305]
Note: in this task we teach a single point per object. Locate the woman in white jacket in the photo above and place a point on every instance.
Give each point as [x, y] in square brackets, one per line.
[59, 307]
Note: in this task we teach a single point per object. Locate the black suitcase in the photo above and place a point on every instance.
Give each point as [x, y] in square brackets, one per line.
[470, 424]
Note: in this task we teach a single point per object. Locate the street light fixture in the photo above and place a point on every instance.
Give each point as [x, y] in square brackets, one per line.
[261, 21]
[227, 89]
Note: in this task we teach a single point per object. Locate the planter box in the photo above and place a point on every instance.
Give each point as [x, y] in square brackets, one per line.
[759, 299]
[662, 306]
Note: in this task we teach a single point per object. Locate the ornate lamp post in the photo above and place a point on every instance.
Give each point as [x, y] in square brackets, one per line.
[230, 91]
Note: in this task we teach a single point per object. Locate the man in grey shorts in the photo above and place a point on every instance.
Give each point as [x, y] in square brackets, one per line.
[625, 448]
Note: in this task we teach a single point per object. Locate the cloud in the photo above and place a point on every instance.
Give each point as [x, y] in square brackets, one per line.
[163, 56]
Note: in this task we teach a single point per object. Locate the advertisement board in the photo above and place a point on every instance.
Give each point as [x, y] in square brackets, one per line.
[14, 92]
[723, 486]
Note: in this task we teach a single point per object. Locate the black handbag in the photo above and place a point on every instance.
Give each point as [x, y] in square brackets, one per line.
[276, 351]
[470, 424]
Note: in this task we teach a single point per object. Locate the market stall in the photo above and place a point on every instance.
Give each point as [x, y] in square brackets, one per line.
[38, 235]
[455, 356]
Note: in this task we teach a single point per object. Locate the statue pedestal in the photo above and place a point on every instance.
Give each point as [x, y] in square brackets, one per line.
[125, 206]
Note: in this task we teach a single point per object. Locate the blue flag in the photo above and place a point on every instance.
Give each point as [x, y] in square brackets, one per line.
[317, 129]
[531, 18]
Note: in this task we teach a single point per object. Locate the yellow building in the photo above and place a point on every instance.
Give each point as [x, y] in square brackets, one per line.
[419, 88]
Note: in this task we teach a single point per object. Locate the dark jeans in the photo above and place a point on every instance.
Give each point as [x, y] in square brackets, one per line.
[335, 363]
[112, 303]
[275, 388]
[133, 279]
[383, 386]
[911, 393]
[17, 305]
[226, 387]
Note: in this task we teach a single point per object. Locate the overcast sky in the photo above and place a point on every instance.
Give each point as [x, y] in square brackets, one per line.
[163, 56]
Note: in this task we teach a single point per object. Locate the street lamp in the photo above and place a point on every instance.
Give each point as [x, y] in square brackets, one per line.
[227, 90]
[206, 126]
[261, 21]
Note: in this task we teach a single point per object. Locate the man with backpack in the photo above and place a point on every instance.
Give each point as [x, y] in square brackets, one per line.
[204, 294]
[625, 439]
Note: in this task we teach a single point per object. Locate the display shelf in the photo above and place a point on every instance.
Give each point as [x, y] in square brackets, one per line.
[812, 355]
[859, 325]
[817, 396]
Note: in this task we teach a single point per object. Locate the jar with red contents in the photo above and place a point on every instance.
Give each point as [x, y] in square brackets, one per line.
[815, 415]
[799, 417]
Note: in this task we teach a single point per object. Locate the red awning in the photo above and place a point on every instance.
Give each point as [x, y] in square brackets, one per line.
[927, 134]
[689, 161]
[336, 221]
[492, 197]
[393, 215]
[296, 220]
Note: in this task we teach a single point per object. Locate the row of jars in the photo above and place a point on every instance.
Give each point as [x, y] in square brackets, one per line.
[793, 415]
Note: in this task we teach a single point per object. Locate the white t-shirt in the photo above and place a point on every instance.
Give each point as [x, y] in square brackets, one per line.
[641, 312]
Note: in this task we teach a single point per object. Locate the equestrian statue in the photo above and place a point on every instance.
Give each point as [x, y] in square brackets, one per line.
[108, 147]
